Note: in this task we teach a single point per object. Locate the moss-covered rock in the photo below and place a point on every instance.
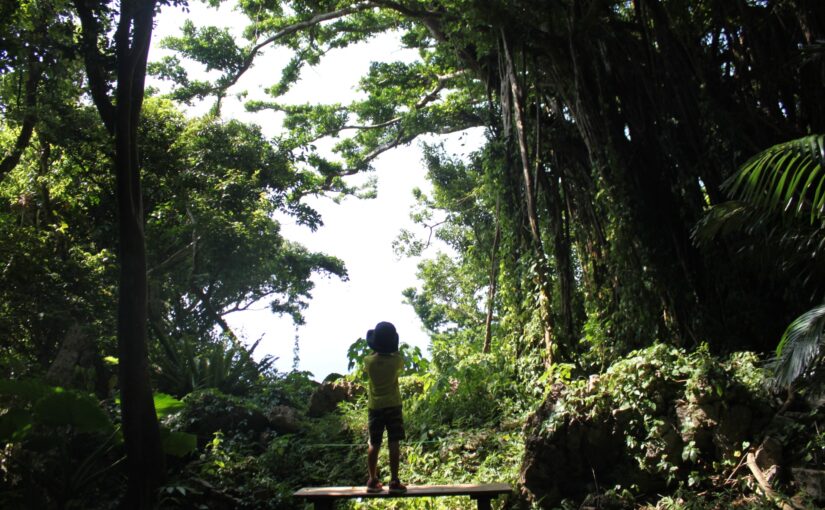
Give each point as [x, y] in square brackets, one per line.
[656, 419]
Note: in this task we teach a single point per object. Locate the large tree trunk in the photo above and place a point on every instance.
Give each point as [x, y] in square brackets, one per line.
[75, 346]
[145, 459]
[144, 456]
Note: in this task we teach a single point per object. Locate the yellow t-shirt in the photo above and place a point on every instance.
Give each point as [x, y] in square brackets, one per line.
[383, 371]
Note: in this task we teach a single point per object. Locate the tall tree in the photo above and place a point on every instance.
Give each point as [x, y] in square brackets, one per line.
[119, 63]
[626, 118]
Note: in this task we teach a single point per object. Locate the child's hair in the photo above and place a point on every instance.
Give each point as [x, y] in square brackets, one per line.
[383, 339]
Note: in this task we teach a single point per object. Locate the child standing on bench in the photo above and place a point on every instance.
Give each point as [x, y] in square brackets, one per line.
[383, 367]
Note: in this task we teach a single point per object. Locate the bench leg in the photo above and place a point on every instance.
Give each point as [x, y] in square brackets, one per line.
[483, 503]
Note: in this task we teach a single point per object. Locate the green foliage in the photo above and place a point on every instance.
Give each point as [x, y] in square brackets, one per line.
[460, 456]
[166, 404]
[474, 447]
[58, 261]
[178, 444]
[622, 131]
[293, 389]
[71, 408]
[36, 404]
[448, 299]
[450, 394]
[242, 463]
[208, 411]
[209, 211]
[60, 445]
[173, 442]
[355, 356]
[211, 46]
[731, 498]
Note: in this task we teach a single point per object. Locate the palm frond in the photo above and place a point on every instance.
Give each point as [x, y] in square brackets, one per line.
[788, 177]
[727, 218]
[800, 346]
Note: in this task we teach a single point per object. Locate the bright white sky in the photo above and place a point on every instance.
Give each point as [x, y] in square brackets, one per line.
[360, 232]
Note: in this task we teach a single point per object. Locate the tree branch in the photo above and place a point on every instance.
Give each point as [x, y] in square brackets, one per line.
[173, 257]
[432, 22]
[439, 86]
[400, 138]
[288, 30]
[424, 101]
[380, 125]
[95, 71]
[212, 312]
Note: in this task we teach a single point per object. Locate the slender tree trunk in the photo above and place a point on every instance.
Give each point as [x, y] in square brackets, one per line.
[542, 270]
[11, 159]
[491, 294]
[561, 253]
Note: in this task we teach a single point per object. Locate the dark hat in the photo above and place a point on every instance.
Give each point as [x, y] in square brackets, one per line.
[383, 339]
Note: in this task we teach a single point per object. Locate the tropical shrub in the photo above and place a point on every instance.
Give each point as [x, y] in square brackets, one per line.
[185, 365]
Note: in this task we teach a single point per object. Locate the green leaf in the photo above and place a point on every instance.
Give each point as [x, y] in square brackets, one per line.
[72, 408]
[14, 423]
[30, 390]
[178, 444]
[166, 404]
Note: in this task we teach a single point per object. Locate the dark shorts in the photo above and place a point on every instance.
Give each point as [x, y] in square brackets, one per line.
[390, 418]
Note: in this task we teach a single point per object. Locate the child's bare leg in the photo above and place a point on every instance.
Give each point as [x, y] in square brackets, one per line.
[395, 458]
[372, 460]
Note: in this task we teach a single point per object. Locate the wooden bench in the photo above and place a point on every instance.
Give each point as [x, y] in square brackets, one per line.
[324, 498]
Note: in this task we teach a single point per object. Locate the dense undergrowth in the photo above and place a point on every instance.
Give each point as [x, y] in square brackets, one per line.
[661, 428]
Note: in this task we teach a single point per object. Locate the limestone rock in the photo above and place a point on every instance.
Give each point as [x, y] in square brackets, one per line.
[734, 427]
[811, 481]
[769, 458]
[579, 441]
[284, 420]
[328, 395]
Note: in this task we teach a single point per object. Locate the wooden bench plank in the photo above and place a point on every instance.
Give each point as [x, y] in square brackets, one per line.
[325, 497]
[415, 491]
